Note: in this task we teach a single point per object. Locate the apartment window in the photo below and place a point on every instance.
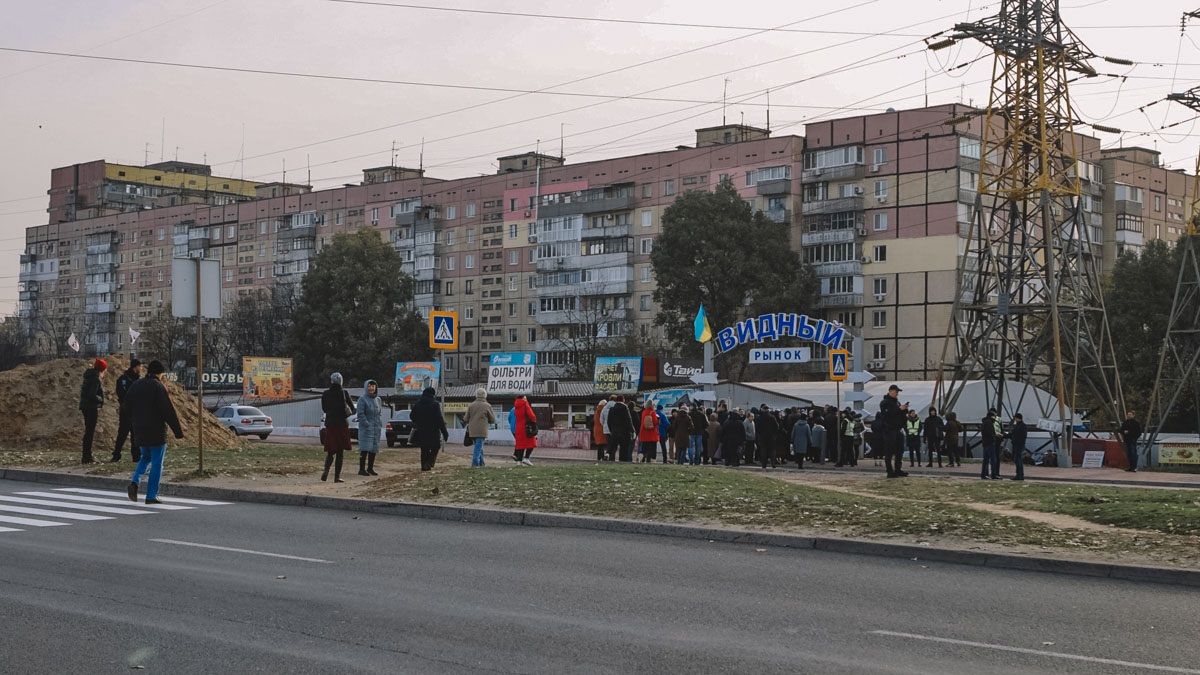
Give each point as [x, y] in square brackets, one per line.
[162, 233]
[469, 312]
[533, 335]
[1157, 204]
[881, 222]
[647, 218]
[881, 188]
[451, 212]
[668, 187]
[968, 147]
[470, 209]
[450, 262]
[646, 245]
[469, 287]
[881, 253]
[530, 308]
[880, 156]
[879, 351]
[514, 257]
[513, 231]
[512, 335]
[468, 363]
[228, 275]
[471, 236]
[450, 237]
[841, 285]
[644, 303]
[512, 204]
[469, 262]
[880, 285]
[825, 159]
[512, 309]
[847, 318]
[230, 232]
[512, 283]
[879, 319]
[262, 227]
[375, 216]
[160, 275]
[647, 191]
[262, 272]
[1128, 193]
[450, 288]
[647, 274]
[848, 190]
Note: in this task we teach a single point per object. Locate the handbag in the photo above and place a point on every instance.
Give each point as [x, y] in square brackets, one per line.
[467, 440]
[648, 423]
[531, 429]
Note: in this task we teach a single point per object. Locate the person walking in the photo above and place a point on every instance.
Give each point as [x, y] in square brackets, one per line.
[620, 424]
[934, 431]
[599, 437]
[991, 435]
[733, 436]
[336, 404]
[132, 374]
[151, 412]
[681, 433]
[479, 418]
[767, 427]
[527, 431]
[429, 427]
[1131, 430]
[91, 400]
[699, 426]
[912, 433]
[954, 437]
[1018, 435]
[801, 440]
[648, 432]
[712, 448]
[664, 431]
[370, 425]
[890, 422]
[751, 438]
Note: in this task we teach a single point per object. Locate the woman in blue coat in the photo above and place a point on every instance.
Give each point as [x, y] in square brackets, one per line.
[370, 425]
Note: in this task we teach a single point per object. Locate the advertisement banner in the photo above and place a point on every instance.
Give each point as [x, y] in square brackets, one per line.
[677, 370]
[672, 398]
[1179, 453]
[511, 373]
[617, 374]
[267, 378]
[222, 379]
[413, 376]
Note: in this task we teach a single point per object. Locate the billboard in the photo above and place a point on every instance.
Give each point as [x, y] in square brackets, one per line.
[1179, 453]
[617, 374]
[672, 398]
[677, 370]
[267, 378]
[413, 376]
[511, 373]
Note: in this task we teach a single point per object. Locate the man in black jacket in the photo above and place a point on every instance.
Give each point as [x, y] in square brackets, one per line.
[698, 439]
[733, 437]
[429, 427]
[151, 412]
[990, 435]
[1131, 429]
[620, 424]
[127, 378]
[766, 427]
[1019, 434]
[891, 423]
[934, 431]
[91, 400]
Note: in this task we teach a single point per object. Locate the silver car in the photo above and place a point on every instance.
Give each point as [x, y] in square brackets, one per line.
[243, 420]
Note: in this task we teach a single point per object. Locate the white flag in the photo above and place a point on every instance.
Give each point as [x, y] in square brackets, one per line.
[133, 335]
[73, 342]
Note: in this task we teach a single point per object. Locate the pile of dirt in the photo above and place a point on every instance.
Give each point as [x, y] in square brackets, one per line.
[39, 405]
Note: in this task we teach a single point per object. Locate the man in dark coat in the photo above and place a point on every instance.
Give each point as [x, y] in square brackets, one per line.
[733, 437]
[91, 400]
[991, 435]
[767, 429]
[429, 427]
[127, 378]
[1131, 430]
[1019, 434]
[337, 406]
[890, 421]
[934, 430]
[150, 413]
[699, 438]
[620, 424]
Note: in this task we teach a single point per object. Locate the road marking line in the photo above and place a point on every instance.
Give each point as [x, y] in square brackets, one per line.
[1038, 652]
[78, 507]
[29, 521]
[11, 529]
[100, 500]
[241, 550]
[53, 514]
[111, 493]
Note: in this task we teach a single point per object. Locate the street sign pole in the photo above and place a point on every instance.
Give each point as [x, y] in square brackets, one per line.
[199, 372]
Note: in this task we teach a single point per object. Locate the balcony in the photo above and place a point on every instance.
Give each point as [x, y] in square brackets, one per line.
[27, 296]
[1130, 238]
[606, 232]
[838, 269]
[845, 172]
[27, 258]
[557, 264]
[779, 215]
[97, 249]
[585, 205]
[428, 274]
[294, 255]
[840, 300]
[779, 186]
[298, 232]
[100, 287]
[100, 308]
[842, 236]
[198, 243]
[1128, 207]
[838, 205]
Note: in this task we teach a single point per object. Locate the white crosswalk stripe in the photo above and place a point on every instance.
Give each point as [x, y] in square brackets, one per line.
[49, 508]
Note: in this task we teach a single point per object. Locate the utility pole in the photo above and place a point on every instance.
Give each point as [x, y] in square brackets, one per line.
[1028, 309]
[199, 370]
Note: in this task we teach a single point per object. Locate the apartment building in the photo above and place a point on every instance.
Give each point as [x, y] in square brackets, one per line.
[1147, 200]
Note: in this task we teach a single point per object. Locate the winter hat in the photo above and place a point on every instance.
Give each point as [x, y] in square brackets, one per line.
[481, 394]
[336, 378]
[100, 365]
[367, 385]
[659, 406]
[429, 391]
[135, 363]
[156, 367]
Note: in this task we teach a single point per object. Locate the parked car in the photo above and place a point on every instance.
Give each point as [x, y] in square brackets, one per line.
[245, 421]
[352, 420]
[399, 428]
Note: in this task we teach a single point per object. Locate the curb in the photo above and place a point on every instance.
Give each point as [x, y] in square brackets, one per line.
[496, 516]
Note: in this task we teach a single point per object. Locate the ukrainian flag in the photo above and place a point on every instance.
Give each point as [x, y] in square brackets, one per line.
[701, 327]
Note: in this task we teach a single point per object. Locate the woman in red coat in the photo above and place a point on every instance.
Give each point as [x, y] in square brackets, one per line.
[648, 431]
[526, 422]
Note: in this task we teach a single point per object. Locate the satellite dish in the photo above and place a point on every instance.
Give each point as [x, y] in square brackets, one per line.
[891, 110]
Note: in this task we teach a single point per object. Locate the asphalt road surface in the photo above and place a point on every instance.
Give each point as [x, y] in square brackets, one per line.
[254, 588]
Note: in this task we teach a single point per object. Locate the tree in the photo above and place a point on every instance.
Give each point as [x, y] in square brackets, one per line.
[716, 250]
[169, 339]
[1140, 291]
[258, 323]
[355, 313]
[14, 343]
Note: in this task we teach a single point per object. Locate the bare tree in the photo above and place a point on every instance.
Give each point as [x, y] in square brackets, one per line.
[14, 343]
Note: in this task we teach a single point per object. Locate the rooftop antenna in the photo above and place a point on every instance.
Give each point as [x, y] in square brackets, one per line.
[768, 111]
[926, 84]
[162, 139]
[146, 154]
[422, 160]
[308, 163]
[562, 153]
[177, 153]
[724, 96]
[393, 153]
[284, 161]
[242, 152]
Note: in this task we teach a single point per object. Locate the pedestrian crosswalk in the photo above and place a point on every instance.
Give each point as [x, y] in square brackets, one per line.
[66, 506]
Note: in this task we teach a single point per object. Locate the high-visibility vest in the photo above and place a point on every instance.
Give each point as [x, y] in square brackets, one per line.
[914, 427]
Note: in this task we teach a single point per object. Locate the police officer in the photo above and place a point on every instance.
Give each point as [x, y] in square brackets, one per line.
[891, 423]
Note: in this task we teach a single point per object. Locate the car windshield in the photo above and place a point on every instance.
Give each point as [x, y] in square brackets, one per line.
[402, 416]
[249, 411]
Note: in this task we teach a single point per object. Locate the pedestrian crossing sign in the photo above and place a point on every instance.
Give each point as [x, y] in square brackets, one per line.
[443, 330]
[839, 360]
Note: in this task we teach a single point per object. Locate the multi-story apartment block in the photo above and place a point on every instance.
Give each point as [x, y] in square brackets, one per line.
[546, 256]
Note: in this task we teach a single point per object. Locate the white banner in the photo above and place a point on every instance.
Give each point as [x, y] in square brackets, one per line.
[73, 342]
[510, 379]
[133, 335]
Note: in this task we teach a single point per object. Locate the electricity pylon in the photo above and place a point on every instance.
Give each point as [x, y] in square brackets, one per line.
[1028, 311]
[1179, 360]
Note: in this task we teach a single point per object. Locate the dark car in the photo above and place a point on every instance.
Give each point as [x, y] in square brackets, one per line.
[399, 428]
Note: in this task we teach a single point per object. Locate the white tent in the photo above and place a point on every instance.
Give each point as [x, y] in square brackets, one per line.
[977, 396]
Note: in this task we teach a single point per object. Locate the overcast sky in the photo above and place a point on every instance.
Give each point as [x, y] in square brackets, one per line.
[57, 110]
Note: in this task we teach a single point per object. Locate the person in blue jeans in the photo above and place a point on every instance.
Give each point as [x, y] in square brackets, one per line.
[991, 433]
[479, 418]
[1019, 436]
[151, 412]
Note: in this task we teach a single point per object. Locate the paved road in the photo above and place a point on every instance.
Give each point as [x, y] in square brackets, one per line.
[365, 593]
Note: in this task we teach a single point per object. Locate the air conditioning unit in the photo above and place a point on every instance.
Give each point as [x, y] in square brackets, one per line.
[858, 191]
[533, 238]
[881, 198]
[878, 363]
[551, 386]
[862, 231]
[879, 297]
[529, 214]
[866, 260]
[609, 217]
[874, 168]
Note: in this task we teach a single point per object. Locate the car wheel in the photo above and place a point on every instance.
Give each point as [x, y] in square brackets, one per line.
[233, 430]
[263, 436]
